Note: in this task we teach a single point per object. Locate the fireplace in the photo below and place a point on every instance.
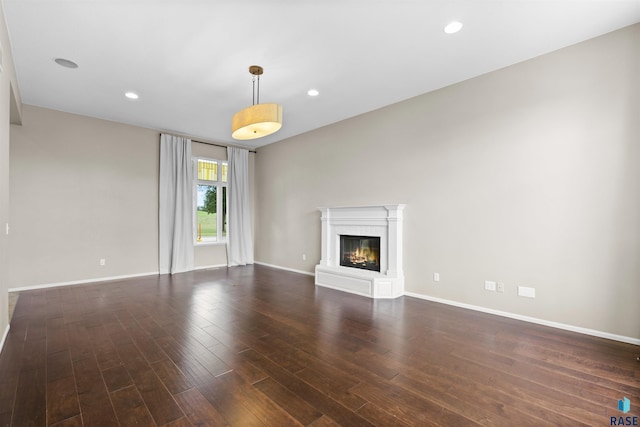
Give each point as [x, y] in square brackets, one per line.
[360, 252]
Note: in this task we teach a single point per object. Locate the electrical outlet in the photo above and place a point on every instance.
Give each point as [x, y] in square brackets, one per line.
[436, 277]
[6, 228]
[526, 292]
[490, 285]
[304, 257]
[103, 261]
[500, 286]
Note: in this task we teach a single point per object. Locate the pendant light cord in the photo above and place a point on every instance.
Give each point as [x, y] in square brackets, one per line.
[253, 90]
[256, 94]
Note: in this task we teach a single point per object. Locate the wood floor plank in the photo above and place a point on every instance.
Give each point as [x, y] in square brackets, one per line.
[240, 366]
[265, 409]
[95, 404]
[62, 400]
[104, 350]
[59, 366]
[324, 421]
[443, 382]
[79, 342]
[180, 422]
[290, 402]
[400, 403]
[151, 327]
[146, 344]
[593, 392]
[334, 386]
[606, 387]
[312, 396]
[10, 362]
[526, 390]
[198, 409]
[172, 378]
[35, 353]
[202, 337]
[483, 408]
[284, 354]
[231, 341]
[207, 359]
[379, 417]
[56, 335]
[70, 422]
[130, 408]
[30, 404]
[185, 361]
[116, 378]
[158, 400]
[226, 402]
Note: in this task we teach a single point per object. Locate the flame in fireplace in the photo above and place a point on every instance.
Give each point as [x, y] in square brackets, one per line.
[364, 256]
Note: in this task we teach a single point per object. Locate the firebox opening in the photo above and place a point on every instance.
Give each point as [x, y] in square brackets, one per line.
[360, 252]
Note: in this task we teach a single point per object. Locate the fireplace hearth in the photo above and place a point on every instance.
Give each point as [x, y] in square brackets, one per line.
[362, 250]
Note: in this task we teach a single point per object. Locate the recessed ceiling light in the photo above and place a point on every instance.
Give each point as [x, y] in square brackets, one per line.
[453, 27]
[131, 95]
[65, 63]
[313, 92]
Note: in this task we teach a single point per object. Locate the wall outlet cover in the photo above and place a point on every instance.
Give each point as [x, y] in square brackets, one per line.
[524, 291]
[490, 285]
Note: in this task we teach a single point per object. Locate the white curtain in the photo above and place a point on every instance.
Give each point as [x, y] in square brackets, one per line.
[176, 200]
[239, 237]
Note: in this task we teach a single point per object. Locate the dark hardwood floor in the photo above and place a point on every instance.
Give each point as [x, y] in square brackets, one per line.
[254, 346]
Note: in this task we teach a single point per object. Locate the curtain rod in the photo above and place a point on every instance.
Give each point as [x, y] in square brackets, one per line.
[217, 145]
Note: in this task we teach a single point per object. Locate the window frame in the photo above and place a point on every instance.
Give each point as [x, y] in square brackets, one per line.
[220, 239]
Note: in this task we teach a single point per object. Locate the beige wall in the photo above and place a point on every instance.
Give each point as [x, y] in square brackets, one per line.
[529, 176]
[10, 108]
[83, 189]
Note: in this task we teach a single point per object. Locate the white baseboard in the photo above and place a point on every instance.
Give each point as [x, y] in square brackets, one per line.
[102, 279]
[210, 267]
[4, 337]
[285, 268]
[81, 282]
[572, 328]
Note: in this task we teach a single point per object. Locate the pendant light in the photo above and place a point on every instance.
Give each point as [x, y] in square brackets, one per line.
[259, 120]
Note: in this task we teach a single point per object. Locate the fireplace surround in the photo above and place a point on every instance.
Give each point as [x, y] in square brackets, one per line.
[362, 250]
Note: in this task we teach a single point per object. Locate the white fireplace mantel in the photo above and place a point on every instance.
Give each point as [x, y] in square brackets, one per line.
[384, 221]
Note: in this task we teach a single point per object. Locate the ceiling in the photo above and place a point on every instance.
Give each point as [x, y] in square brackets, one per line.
[188, 60]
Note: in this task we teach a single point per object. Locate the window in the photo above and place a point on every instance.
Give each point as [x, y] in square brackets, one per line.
[211, 201]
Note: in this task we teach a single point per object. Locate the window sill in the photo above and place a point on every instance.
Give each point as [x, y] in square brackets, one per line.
[199, 244]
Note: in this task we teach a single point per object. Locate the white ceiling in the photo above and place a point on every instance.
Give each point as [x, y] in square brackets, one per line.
[189, 60]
